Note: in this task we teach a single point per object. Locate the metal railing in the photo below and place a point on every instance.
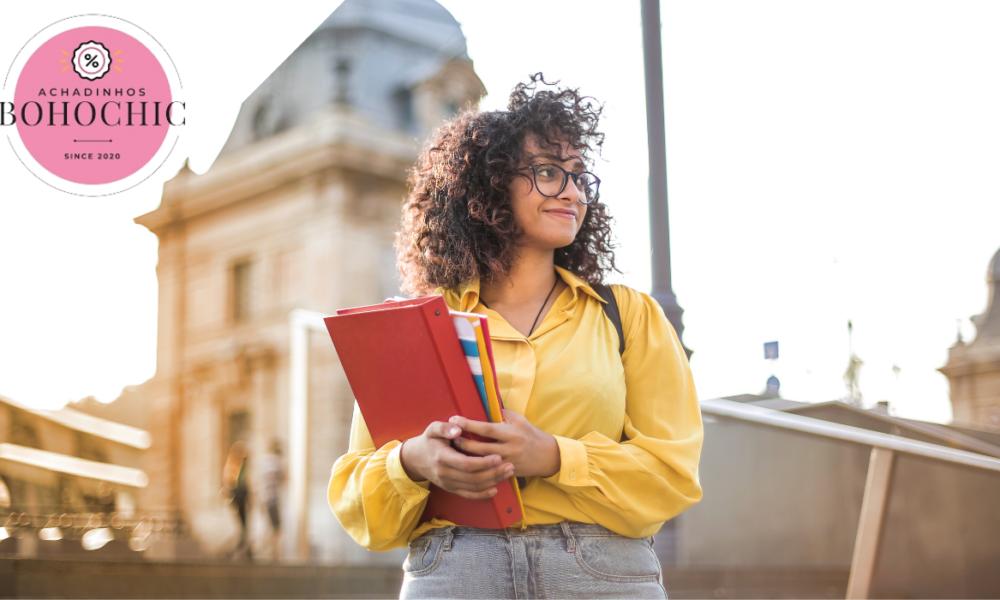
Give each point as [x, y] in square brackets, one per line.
[877, 488]
[88, 524]
[776, 418]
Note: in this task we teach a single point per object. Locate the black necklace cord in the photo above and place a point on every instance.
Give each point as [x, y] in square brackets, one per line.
[532, 330]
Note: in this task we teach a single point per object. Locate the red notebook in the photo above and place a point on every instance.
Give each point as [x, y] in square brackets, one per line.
[407, 369]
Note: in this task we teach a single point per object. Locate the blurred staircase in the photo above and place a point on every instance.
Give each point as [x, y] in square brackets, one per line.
[79, 578]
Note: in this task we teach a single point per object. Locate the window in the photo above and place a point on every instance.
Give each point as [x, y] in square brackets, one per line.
[23, 432]
[342, 76]
[260, 122]
[243, 291]
[403, 100]
[89, 447]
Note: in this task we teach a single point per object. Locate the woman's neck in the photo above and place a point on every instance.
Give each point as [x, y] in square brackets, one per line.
[531, 277]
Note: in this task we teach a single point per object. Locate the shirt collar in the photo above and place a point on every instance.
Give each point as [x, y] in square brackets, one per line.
[578, 284]
[465, 296]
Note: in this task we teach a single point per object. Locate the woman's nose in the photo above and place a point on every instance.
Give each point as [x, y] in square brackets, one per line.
[570, 192]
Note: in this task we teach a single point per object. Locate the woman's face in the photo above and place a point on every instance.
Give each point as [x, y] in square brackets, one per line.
[547, 223]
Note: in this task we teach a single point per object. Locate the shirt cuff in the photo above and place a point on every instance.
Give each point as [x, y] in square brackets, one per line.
[574, 469]
[412, 491]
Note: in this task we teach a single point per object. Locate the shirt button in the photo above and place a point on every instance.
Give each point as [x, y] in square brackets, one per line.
[572, 476]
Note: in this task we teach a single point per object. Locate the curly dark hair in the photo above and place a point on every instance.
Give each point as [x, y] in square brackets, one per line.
[457, 221]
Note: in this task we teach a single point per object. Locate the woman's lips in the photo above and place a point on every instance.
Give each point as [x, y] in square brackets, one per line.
[564, 214]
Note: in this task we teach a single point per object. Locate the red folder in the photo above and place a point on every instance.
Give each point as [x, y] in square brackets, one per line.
[407, 369]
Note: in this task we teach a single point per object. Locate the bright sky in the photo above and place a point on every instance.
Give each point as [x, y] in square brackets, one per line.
[826, 161]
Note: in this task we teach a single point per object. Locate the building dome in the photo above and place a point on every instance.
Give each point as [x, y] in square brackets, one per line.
[399, 64]
[988, 323]
[424, 22]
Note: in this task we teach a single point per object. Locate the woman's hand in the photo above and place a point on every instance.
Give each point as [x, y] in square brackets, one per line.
[533, 452]
[430, 457]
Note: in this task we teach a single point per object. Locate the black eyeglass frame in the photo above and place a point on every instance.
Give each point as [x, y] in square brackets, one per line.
[566, 176]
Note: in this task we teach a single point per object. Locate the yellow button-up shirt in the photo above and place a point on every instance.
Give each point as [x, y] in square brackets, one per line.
[628, 427]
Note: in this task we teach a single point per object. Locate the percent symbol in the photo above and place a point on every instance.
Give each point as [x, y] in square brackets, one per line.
[90, 60]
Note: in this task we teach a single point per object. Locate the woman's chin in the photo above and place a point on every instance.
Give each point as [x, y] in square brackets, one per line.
[550, 238]
[562, 242]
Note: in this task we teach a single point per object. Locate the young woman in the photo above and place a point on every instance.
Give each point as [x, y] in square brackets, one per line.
[504, 219]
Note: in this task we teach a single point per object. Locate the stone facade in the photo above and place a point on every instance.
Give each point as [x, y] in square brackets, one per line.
[299, 211]
[973, 369]
[59, 468]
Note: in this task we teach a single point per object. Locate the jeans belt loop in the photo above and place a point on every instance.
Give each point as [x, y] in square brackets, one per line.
[448, 536]
[570, 539]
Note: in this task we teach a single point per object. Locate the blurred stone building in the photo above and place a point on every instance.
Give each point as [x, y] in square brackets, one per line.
[299, 211]
[973, 369]
[60, 468]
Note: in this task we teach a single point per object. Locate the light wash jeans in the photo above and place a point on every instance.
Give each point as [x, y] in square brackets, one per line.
[567, 560]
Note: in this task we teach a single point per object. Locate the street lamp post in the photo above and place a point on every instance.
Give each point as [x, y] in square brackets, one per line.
[659, 222]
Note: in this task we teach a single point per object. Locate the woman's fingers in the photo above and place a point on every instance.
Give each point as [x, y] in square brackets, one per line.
[440, 429]
[470, 464]
[477, 495]
[473, 477]
[496, 431]
[454, 479]
[510, 416]
[477, 448]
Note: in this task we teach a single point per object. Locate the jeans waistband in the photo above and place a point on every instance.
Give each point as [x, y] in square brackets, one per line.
[564, 529]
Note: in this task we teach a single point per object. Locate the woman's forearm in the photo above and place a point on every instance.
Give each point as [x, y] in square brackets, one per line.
[407, 460]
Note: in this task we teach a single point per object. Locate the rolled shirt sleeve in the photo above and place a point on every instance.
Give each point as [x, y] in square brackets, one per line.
[370, 493]
[633, 486]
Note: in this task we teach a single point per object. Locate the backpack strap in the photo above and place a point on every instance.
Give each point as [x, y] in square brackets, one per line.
[611, 310]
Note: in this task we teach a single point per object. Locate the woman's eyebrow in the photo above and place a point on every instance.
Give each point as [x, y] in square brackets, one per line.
[552, 157]
[559, 159]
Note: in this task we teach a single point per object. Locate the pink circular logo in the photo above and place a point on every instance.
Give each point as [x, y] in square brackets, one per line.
[93, 106]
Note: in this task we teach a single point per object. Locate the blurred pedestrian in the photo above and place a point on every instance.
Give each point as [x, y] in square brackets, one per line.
[235, 485]
[271, 478]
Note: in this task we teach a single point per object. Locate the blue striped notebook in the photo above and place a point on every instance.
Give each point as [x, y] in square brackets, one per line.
[467, 335]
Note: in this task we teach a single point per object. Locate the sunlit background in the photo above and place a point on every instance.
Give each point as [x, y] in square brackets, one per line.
[826, 162]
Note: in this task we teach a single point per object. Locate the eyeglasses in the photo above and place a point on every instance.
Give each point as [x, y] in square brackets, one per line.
[550, 181]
